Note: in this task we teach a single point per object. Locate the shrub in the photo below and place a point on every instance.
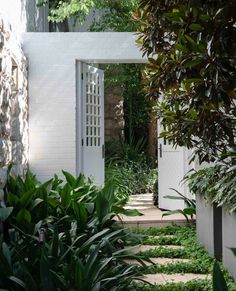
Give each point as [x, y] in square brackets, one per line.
[62, 236]
[127, 168]
[217, 182]
[131, 177]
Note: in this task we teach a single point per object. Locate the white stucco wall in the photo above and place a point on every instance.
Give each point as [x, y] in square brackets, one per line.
[24, 15]
[229, 241]
[205, 224]
[52, 91]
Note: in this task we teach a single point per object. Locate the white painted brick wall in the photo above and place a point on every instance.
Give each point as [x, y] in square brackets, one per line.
[52, 90]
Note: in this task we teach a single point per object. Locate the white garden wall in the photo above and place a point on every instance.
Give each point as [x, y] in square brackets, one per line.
[24, 15]
[229, 241]
[53, 130]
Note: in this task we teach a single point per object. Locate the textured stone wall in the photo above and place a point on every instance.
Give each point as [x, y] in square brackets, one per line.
[114, 115]
[13, 105]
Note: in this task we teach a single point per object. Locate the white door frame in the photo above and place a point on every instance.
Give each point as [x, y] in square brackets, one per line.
[90, 122]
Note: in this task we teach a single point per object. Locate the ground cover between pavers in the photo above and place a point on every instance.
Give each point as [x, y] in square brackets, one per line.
[181, 266]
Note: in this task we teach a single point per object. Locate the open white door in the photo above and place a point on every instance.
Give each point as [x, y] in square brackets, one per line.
[172, 166]
[92, 122]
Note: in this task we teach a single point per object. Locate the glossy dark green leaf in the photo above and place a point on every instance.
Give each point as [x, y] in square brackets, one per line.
[23, 216]
[46, 281]
[219, 283]
[17, 281]
[196, 26]
[7, 254]
[5, 213]
[69, 178]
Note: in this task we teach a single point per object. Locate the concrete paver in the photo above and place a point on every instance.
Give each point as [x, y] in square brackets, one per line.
[160, 261]
[174, 278]
[144, 248]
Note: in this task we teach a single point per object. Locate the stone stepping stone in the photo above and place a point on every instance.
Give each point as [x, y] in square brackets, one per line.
[174, 278]
[144, 248]
[159, 261]
[161, 236]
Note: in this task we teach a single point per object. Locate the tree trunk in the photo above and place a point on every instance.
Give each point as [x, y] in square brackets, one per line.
[152, 137]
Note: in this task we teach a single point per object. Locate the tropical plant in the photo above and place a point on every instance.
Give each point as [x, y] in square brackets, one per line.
[219, 283]
[62, 235]
[189, 210]
[216, 182]
[131, 177]
[191, 49]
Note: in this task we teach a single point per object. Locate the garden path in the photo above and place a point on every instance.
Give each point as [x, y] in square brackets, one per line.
[175, 264]
[152, 216]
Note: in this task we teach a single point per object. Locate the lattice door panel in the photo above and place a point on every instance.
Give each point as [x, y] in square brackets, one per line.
[93, 108]
[93, 122]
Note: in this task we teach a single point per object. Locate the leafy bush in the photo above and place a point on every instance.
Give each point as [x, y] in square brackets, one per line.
[131, 177]
[128, 169]
[217, 182]
[191, 51]
[62, 236]
[118, 150]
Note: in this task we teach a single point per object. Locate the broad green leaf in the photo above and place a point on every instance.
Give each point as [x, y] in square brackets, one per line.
[5, 213]
[17, 281]
[12, 199]
[79, 275]
[131, 212]
[219, 283]
[36, 202]
[59, 281]
[92, 239]
[234, 251]
[45, 276]
[55, 242]
[30, 282]
[196, 26]
[173, 197]
[80, 213]
[69, 178]
[23, 215]
[102, 206]
[177, 211]
[6, 253]
[189, 211]
[5, 267]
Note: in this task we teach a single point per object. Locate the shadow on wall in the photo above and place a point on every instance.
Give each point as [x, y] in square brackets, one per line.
[35, 17]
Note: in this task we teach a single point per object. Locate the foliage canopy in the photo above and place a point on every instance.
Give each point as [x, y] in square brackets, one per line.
[115, 14]
[191, 47]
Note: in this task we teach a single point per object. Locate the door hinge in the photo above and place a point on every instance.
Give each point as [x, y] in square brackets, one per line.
[103, 151]
[160, 149]
[82, 142]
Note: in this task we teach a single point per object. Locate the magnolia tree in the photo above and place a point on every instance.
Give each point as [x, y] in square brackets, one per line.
[191, 47]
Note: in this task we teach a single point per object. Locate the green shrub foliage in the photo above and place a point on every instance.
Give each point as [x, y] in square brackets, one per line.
[191, 47]
[61, 236]
[128, 169]
[216, 182]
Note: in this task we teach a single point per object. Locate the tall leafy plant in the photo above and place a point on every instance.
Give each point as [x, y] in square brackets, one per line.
[216, 182]
[191, 47]
[61, 235]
